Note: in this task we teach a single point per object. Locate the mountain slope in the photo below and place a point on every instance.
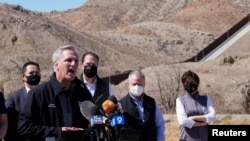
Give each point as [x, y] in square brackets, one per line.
[134, 34]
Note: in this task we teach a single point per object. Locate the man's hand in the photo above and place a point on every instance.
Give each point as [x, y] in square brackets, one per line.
[71, 129]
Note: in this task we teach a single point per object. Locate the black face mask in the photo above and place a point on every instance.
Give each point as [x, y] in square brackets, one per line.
[190, 87]
[90, 71]
[33, 79]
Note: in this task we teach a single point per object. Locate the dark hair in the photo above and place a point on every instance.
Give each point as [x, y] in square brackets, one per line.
[190, 76]
[29, 63]
[92, 54]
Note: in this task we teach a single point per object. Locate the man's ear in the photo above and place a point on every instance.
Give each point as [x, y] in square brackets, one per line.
[82, 66]
[55, 65]
[23, 76]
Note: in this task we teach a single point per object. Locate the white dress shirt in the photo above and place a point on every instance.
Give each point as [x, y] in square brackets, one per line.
[92, 87]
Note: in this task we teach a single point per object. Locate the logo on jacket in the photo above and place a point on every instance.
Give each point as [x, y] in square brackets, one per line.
[52, 106]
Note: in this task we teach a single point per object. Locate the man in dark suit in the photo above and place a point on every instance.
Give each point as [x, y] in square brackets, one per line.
[3, 117]
[31, 77]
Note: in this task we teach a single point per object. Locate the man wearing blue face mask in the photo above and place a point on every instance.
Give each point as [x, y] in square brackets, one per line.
[141, 111]
[97, 87]
[31, 77]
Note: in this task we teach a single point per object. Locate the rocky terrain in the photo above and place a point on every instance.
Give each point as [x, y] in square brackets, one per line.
[154, 36]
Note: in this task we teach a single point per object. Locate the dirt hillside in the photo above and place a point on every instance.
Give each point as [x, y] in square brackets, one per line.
[135, 34]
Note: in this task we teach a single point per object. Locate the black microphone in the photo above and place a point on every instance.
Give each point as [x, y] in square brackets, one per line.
[88, 109]
[93, 114]
[119, 108]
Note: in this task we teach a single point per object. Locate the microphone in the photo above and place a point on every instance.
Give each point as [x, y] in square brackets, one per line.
[113, 108]
[114, 111]
[92, 113]
[118, 120]
[109, 105]
[119, 108]
[89, 109]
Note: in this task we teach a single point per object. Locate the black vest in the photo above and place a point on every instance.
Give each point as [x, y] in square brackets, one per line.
[132, 118]
[101, 92]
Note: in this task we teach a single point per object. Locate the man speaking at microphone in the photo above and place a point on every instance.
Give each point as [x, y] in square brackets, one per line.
[141, 111]
[53, 107]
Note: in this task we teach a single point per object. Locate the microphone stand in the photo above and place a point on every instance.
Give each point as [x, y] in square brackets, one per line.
[89, 133]
[118, 136]
[95, 134]
[100, 134]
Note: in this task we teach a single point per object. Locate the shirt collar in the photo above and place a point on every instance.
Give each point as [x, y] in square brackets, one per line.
[87, 83]
[135, 99]
[27, 89]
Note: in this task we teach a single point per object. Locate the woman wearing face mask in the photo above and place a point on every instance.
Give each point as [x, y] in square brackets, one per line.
[141, 111]
[194, 111]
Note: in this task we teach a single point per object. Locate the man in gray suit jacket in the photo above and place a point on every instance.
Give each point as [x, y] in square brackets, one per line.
[31, 77]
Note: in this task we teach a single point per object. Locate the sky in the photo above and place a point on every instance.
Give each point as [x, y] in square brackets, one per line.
[46, 5]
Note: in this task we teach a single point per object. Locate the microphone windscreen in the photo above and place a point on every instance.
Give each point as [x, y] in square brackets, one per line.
[89, 109]
[108, 106]
[113, 99]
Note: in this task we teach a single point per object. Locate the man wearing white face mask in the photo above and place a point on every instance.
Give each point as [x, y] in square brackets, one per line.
[141, 111]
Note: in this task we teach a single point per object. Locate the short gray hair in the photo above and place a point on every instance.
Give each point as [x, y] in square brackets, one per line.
[136, 73]
[58, 52]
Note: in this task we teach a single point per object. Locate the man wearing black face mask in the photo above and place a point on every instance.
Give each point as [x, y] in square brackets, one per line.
[194, 111]
[98, 88]
[31, 77]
